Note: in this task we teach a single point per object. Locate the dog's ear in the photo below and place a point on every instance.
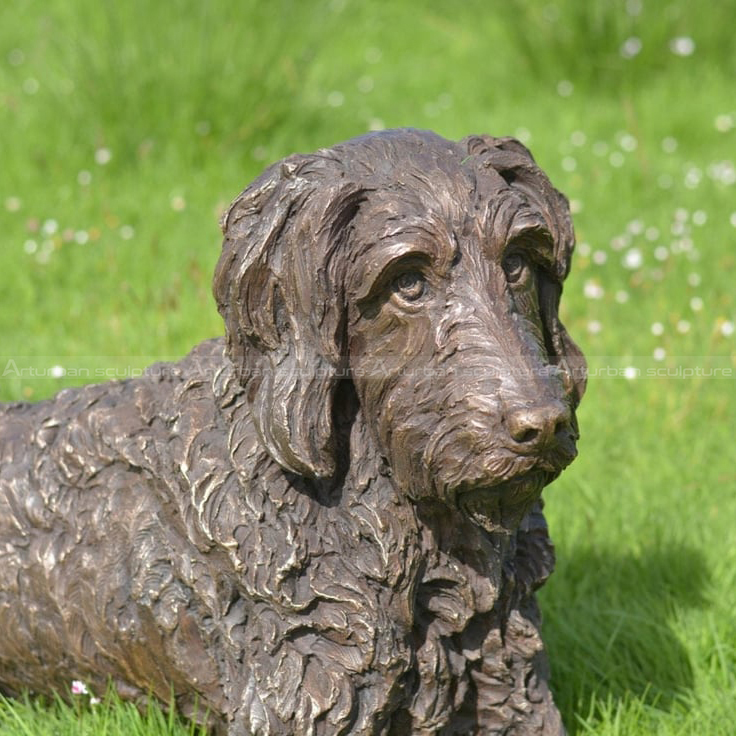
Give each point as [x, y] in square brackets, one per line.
[278, 291]
[514, 163]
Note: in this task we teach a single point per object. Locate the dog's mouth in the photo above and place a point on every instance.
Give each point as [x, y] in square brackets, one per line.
[500, 508]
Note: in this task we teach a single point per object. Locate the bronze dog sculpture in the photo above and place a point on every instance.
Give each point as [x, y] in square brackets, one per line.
[328, 522]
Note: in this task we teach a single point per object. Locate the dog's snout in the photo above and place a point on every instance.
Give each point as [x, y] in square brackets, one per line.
[535, 427]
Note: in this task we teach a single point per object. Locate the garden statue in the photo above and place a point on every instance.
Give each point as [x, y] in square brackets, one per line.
[328, 522]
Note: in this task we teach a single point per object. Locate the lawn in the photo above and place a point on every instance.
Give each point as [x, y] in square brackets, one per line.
[128, 127]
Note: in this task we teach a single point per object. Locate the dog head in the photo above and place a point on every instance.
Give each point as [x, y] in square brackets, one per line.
[428, 273]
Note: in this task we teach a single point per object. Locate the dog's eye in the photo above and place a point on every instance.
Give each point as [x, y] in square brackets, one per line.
[410, 285]
[516, 268]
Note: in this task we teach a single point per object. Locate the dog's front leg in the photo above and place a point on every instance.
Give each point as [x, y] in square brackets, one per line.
[513, 695]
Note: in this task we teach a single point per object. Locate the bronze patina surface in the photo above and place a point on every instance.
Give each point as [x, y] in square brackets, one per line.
[328, 522]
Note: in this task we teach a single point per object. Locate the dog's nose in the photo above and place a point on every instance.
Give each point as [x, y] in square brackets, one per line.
[535, 427]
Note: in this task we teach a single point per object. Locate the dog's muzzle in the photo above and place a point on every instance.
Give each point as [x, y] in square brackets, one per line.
[541, 442]
[501, 507]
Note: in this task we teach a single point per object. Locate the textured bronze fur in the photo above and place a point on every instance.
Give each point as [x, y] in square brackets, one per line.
[328, 522]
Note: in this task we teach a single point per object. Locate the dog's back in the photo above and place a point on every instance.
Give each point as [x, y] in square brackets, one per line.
[89, 585]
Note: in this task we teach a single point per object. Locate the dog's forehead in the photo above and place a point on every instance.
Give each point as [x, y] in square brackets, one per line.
[415, 184]
[460, 212]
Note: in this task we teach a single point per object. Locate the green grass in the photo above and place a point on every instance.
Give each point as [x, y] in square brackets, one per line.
[193, 99]
[109, 717]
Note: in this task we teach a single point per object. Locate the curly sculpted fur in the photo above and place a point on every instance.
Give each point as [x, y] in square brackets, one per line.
[328, 522]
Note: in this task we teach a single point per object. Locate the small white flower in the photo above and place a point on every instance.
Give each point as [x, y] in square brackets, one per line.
[30, 247]
[723, 172]
[683, 326]
[628, 142]
[724, 123]
[84, 178]
[103, 156]
[630, 47]
[659, 354]
[661, 253]
[696, 304]
[127, 232]
[79, 688]
[584, 249]
[335, 99]
[677, 228]
[50, 227]
[178, 203]
[31, 86]
[616, 159]
[630, 372]
[651, 234]
[732, 219]
[94, 700]
[694, 279]
[576, 206]
[600, 257]
[365, 84]
[565, 88]
[578, 138]
[569, 164]
[81, 237]
[693, 177]
[635, 227]
[657, 329]
[58, 371]
[682, 214]
[669, 144]
[622, 296]
[378, 124]
[620, 242]
[593, 290]
[727, 328]
[633, 259]
[682, 46]
[13, 204]
[594, 327]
